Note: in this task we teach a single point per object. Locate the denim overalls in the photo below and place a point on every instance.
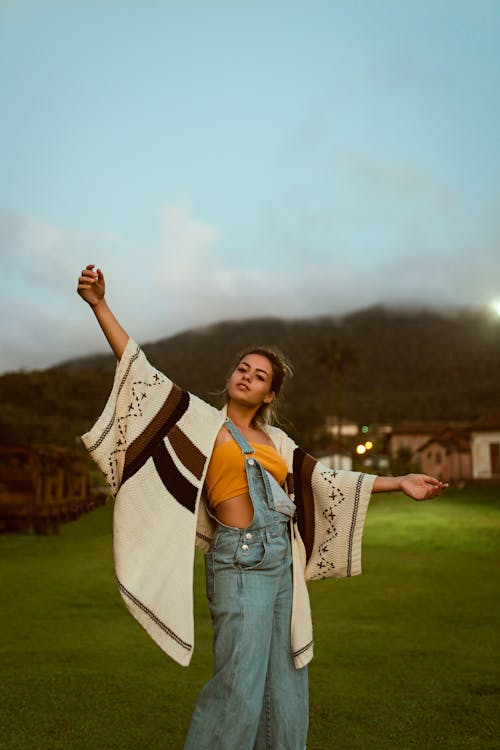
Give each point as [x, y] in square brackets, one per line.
[256, 699]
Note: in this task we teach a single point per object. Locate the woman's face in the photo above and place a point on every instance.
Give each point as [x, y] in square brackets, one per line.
[251, 381]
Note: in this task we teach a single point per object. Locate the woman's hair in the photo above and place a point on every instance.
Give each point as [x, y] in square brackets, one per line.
[281, 370]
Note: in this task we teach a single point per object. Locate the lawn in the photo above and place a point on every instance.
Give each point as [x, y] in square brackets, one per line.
[405, 655]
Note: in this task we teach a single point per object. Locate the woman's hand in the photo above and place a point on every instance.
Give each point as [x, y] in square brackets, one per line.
[91, 288]
[421, 486]
[91, 285]
[416, 486]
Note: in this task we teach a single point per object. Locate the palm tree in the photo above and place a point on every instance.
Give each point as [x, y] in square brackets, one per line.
[335, 356]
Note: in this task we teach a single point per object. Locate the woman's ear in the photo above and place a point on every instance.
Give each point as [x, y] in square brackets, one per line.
[270, 397]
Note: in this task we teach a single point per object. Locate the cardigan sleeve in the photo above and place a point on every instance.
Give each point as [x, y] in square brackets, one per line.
[331, 511]
[144, 404]
[153, 441]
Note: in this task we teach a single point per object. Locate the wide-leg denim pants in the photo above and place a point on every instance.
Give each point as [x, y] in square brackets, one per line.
[256, 699]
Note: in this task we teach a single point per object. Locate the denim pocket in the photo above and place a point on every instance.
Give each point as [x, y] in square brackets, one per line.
[281, 501]
[250, 556]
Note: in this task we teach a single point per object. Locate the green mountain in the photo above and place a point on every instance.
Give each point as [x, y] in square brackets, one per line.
[376, 366]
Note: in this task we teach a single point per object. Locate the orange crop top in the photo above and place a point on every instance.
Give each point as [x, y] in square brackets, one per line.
[226, 476]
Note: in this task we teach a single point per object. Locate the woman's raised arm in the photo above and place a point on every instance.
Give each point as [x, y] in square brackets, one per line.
[91, 288]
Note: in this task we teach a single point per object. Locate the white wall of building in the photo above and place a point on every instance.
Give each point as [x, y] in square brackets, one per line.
[481, 456]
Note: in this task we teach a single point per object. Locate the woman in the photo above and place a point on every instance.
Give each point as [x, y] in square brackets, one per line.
[268, 516]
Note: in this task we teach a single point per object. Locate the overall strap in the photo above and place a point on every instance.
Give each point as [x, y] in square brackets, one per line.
[245, 446]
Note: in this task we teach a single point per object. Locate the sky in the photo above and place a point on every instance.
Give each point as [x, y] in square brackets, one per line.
[221, 159]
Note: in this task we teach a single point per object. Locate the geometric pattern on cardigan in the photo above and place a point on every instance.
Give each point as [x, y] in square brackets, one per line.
[150, 444]
[303, 469]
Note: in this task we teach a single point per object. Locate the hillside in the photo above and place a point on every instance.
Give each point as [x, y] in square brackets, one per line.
[410, 365]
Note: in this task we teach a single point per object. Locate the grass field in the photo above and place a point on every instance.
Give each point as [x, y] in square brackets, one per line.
[406, 655]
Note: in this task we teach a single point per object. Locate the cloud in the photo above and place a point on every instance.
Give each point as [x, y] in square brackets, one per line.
[200, 286]
[40, 320]
[381, 231]
[183, 279]
[41, 256]
[178, 281]
[403, 180]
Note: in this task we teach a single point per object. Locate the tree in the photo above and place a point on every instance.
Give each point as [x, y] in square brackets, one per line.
[335, 356]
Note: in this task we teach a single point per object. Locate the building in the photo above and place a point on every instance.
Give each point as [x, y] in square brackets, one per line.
[485, 447]
[453, 452]
[411, 435]
[447, 455]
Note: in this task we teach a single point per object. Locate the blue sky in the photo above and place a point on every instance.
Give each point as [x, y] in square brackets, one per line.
[237, 159]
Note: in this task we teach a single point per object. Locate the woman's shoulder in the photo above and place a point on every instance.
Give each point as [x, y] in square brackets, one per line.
[272, 429]
[280, 439]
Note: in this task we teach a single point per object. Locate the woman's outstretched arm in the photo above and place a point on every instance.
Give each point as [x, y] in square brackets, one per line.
[416, 486]
[91, 288]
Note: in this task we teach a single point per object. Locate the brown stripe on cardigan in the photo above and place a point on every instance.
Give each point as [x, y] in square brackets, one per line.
[303, 466]
[144, 439]
[187, 452]
[177, 408]
[303, 649]
[176, 483]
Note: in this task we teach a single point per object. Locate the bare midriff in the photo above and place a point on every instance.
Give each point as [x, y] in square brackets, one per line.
[237, 511]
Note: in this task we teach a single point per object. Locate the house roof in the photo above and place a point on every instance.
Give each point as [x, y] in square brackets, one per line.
[450, 439]
[488, 422]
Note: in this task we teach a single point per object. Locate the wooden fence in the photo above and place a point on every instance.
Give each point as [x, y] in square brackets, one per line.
[42, 486]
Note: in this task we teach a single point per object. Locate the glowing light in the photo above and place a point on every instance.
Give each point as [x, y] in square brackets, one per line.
[368, 445]
[495, 306]
[364, 429]
[360, 449]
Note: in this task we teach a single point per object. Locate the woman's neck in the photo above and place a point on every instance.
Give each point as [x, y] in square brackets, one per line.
[241, 417]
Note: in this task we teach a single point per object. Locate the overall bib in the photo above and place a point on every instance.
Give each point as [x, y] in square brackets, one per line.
[256, 699]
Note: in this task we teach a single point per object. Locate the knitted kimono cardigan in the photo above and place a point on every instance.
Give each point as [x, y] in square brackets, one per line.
[153, 442]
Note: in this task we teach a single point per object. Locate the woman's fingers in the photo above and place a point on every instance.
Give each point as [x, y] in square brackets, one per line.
[88, 276]
[432, 491]
[86, 281]
[89, 273]
[435, 486]
[431, 486]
